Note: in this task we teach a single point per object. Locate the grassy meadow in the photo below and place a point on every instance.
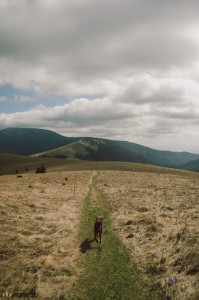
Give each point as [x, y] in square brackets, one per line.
[156, 216]
[39, 226]
[150, 231]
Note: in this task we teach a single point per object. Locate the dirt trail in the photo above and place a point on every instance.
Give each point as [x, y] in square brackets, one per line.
[107, 273]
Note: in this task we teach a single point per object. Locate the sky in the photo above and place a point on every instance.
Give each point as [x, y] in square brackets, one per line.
[116, 69]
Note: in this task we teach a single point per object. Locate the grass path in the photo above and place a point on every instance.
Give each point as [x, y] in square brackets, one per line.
[107, 273]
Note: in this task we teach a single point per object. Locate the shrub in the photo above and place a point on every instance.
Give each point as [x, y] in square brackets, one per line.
[41, 169]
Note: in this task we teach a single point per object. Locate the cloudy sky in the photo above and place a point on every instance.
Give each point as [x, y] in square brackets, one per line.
[119, 69]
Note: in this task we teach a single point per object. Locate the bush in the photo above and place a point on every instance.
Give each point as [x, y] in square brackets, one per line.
[41, 169]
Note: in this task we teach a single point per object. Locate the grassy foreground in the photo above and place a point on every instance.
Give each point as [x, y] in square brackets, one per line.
[107, 273]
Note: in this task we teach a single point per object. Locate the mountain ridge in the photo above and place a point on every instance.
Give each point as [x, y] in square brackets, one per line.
[159, 157]
[33, 141]
[192, 165]
[95, 150]
[27, 141]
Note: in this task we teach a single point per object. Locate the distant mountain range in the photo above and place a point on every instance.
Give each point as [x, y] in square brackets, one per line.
[192, 165]
[40, 142]
[159, 157]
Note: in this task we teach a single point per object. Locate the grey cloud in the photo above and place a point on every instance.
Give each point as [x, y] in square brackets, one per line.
[98, 38]
[181, 114]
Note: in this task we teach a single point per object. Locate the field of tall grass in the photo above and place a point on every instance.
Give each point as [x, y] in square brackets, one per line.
[156, 216]
[39, 225]
[154, 212]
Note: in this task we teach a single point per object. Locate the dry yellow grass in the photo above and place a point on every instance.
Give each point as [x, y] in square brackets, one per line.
[157, 218]
[156, 215]
[39, 225]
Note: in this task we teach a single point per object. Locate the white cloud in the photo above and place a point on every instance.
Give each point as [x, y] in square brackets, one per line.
[148, 114]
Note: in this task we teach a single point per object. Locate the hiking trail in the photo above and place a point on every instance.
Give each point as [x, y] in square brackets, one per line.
[107, 273]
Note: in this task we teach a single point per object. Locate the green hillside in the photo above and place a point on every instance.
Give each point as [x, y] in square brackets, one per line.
[9, 163]
[191, 166]
[27, 141]
[161, 158]
[95, 150]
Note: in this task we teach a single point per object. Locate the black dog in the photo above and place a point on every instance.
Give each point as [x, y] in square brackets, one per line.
[98, 229]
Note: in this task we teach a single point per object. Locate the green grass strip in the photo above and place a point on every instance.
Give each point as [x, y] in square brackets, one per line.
[108, 273]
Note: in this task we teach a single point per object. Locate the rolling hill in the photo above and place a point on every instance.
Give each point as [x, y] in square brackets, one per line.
[28, 164]
[95, 150]
[160, 158]
[191, 165]
[11, 162]
[27, 141]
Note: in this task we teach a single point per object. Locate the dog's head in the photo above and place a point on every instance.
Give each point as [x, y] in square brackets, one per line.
[99, 218]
